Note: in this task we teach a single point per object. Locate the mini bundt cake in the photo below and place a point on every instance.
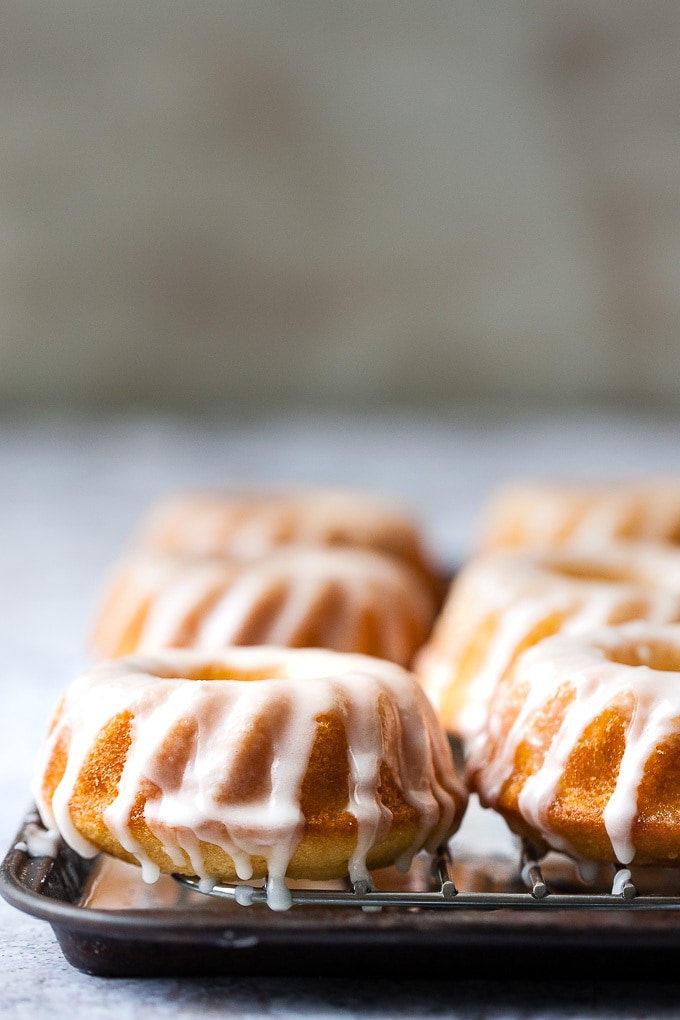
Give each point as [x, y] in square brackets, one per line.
[246, 524]
[524, 513]
[582, 746]
[249, 763]
[349, 600]
[505, 601]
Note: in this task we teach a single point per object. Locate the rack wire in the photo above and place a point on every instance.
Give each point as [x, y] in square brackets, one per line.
[538, 893]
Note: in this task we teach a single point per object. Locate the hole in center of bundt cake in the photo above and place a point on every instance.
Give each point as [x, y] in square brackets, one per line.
[586, 570]
[653, 654]
[220, 671]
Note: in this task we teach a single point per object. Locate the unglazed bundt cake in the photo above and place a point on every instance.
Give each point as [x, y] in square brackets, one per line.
[548, 513]
[249, 763]
[349, 600]
[582, 746]
[505, 601]
[245, 524]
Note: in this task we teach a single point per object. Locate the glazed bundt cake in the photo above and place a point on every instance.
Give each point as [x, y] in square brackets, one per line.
[548, 513]
[507, 600]
[245, 524]
[582, 746]
[349, 600]
[248, 763]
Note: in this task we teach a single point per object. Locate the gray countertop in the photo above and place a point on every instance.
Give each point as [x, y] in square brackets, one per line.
[73, 490]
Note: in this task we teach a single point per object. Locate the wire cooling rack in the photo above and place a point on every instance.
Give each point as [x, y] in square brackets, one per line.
[532, 891]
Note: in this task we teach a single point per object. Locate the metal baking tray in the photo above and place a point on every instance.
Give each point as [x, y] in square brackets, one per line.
[477, 910]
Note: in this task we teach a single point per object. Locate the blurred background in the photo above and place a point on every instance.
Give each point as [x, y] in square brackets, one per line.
[420, 245]
[330, 202]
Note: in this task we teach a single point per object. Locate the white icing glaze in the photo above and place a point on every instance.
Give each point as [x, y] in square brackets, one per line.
[582, 663]
[622, 876]
[116, 885]
[190, 805]
[214, 603]
[40, 842]
[582, 587]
